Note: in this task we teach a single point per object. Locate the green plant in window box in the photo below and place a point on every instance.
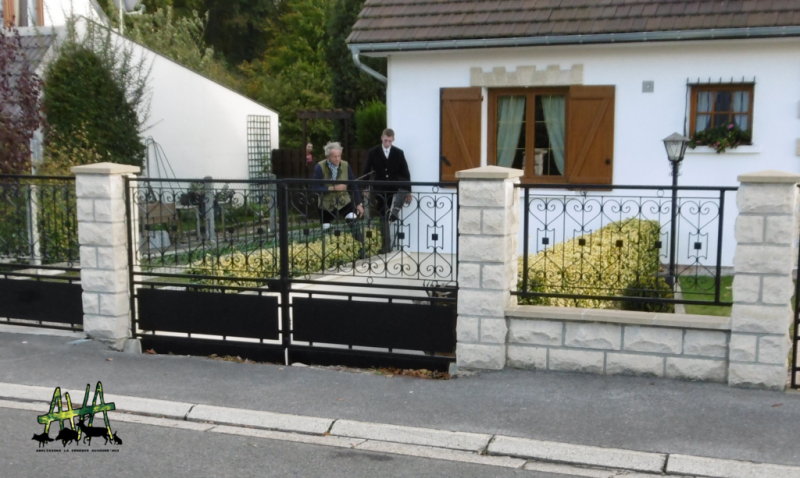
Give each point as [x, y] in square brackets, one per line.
[721, 138]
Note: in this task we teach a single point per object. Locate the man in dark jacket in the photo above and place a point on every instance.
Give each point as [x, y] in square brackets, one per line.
[388, 163]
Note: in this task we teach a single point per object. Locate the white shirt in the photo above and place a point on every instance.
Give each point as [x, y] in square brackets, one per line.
[386, 152]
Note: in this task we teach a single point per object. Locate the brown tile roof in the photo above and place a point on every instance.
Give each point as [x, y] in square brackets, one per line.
[420, 20]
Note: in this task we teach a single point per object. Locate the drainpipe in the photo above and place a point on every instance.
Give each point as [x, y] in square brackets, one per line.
[364, 67]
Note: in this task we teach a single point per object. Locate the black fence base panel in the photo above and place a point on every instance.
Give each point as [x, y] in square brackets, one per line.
[367, 359]
[58, 302]
[209, 313]
[203, 348]
[429, 328]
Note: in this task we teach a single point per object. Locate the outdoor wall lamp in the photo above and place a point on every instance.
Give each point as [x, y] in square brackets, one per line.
[676, 147]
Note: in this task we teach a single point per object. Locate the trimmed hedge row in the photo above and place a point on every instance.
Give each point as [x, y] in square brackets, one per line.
[305, 257]
[619, 259]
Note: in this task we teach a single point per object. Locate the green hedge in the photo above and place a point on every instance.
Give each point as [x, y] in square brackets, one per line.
[617, 257]
[305, 258]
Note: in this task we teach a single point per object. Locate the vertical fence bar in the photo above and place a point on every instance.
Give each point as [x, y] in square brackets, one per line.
[283, 246]
[673, 240]
[718, 280]
[131, 244]
[525, 241]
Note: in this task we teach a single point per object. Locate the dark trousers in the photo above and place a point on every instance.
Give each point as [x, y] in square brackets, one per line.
[388, 205]
[339, 215]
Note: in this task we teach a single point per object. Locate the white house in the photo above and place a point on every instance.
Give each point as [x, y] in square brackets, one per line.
[202, 127]
[588, 88]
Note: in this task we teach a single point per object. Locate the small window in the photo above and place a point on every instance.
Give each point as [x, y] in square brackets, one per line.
[716, 106]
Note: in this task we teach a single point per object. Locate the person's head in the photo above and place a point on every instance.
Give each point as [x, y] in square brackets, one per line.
[309, 147]
[387, 138]
[333, 151]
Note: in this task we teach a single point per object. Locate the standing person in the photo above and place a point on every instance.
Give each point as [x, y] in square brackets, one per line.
[388, 163]
[309, 156]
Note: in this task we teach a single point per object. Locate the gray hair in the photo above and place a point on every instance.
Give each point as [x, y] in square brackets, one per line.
[331, 146]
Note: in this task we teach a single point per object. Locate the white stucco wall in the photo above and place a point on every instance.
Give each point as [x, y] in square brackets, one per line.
[201, 125]
[57, 11]
[642, 120]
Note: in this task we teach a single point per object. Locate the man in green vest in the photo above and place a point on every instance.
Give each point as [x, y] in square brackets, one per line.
[336, 202]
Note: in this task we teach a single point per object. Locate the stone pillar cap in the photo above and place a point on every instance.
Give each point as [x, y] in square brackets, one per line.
[105, 168]
[489, 172]
[770, 176]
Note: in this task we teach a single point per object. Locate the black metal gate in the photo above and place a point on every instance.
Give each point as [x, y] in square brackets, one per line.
[279, 271]
[39, 253]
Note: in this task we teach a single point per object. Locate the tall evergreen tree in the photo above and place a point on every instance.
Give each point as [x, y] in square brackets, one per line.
[238, 28]
[350, 86]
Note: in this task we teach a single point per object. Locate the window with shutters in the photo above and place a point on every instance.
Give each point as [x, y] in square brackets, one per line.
[555, 135]
[22, 13]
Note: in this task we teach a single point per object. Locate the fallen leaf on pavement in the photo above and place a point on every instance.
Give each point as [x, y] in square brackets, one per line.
[341, 399]
[150, 351]
[777, 405]
[109, 359]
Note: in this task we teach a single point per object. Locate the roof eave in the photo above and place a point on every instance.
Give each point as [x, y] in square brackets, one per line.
[633, 37]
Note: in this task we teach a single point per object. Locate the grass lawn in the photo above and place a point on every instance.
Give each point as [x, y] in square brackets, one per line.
[690, 290]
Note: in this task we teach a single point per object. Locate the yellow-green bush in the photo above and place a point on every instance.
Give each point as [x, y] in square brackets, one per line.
[305, 257]
[602, 266]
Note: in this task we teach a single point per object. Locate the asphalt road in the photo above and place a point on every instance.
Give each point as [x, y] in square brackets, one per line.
[164, 452]
[665, 416]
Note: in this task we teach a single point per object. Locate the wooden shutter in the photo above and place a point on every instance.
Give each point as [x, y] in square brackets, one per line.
[590, 135]
[460, 137]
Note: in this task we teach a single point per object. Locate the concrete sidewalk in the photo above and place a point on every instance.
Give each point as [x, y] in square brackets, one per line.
[648, 415]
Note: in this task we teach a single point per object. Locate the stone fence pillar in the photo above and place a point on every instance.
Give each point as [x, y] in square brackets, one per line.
[766, 232]
[103, 237]
[488, 223]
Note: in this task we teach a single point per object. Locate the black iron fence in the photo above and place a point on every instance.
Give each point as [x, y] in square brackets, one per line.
[320, 270]
[629, 248]
[39, 252]
[229, 230]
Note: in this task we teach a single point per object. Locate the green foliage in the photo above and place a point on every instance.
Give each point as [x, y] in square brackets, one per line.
[350, 87]
[181, 38]
[293, 74]
[95, 86]
[81, 92]
[238, 28]
[721, 138]
[598, 267]
[652, 288]
[370, 123]
[306, 257]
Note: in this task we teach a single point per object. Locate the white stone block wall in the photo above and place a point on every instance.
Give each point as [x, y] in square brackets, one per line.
[766, 234]
[103, 237]
[618, 348]
[487, 257]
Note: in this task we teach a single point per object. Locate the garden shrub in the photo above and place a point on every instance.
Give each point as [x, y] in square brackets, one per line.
[82, 95]
[305, 258]
[648, 287]
[598, 267]
[370, 122]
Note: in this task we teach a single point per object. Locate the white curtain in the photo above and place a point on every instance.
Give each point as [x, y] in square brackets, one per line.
[741, 103]
[510, 113]
[554, 117]
[704, 100]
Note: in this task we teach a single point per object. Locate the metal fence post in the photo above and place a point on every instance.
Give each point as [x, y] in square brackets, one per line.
[283, 244]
